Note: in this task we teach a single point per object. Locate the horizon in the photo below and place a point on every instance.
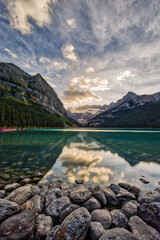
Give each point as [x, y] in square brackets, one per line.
[90, 53]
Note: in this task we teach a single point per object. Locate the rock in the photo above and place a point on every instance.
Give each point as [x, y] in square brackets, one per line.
[92, 204]
[150, 213]
[67, 211]
[19, 226]
[147, 196]
[124, 195]
[5, 176]
[75, 226]
[50, 197]
[43, 226]
[11, 187]
[51, 234]
[26, 181]
[119, 219]
[35, 190]
[110, 195]
[98, 193]
[2, 186]
[35, 180]
[64, 186]
[143, 180]
[157, 189]
[124, 185]
[36, 203]
[79, 194]
[130, 208]
[2, 193]
[103, 216]
[23, 177]
[141, 230]
[115, 188]
[79, 181]
[58, 193]
[56, 207]
[135, 190]
[7, 209]
[21, 194]
[118, 234]
[96, 230]
[37, 174]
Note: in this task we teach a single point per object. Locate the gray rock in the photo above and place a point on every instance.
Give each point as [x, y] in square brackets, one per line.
[2, 193]
[157, 189]
[35, 190]
[56, 207]
[64, 186]
[134, 189]
[147, 196]
[150, 213]
[103, 216]
[130, 208]
[43, 226]
[37, 174]
[26, 181]
[118, 234]
[51, 234]
[115, 188]
[124, 185]
[19, 226]
[50, 197]
[75, 226]
[92, 204]
[119, 219]
[7, 209]
[124, 195]
[98, 193]
[68, 211]
[36, 203]
[141, 230]
[96, 230]
[143, 180]
[110, 195]
[11, 187]
[79, 194]
[22, 194]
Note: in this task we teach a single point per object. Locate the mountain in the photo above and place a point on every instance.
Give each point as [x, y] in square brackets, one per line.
[33, 97]
[83, 114]
[137, 111]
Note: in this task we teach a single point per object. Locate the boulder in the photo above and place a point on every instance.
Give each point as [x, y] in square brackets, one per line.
[118, 234]
[56, 207]
[124, 185]
[103, 216]
[67, 211]
[51, 234]
[92, 204]
[19, 226]
[11, 187]
[134, 189]
[7, 209]
[124, 195]
[111, 196]
[43, 226]
[150, 213]
[130, 208]
[2, 193]
[119, 219]
[50, 197]
[115, 188]
[96, 230]
[141, 230]
[98, 193]
[36, 203]
[147, 196]
[79, 194]
[75, 226]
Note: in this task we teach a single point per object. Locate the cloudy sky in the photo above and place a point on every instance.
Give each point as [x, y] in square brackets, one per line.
[90, 51]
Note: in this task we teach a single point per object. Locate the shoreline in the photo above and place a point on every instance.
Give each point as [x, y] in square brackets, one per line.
[60, 211]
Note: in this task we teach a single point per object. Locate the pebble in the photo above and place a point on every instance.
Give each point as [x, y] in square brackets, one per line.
[103, 216]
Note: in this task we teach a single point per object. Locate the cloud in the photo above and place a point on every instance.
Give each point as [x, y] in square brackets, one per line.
[71, 22]
[22, 10]
[90, 70]
[13, 55]
[68, 52]
[125, 75]
[57, 65]
[27, 65]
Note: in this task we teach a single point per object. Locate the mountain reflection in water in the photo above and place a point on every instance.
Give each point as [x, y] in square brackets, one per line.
[96, 157]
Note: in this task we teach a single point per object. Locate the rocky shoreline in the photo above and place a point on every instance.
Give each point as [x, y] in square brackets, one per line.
[119, 212]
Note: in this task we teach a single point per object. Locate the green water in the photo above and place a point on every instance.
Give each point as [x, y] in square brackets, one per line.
[98, 156]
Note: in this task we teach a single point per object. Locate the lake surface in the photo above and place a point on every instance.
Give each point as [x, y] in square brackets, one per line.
[98, 156]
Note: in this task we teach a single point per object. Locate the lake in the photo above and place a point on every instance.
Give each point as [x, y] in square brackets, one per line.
[98, 156]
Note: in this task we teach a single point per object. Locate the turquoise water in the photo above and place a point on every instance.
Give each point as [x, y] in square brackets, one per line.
[98, 156]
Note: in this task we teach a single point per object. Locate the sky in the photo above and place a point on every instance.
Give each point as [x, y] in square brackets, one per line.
[89, 51]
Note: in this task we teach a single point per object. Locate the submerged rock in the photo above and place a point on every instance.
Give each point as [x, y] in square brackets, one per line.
[96, 230]
[79, 194]
[7, 209]
[103, 216]
[147, 196]
[118, 234]
[141, 230]
[75, 226]
[43, 226]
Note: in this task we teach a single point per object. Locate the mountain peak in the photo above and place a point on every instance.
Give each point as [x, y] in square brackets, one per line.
[131, 95]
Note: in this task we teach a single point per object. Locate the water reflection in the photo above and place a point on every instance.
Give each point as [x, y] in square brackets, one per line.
[97, 157]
